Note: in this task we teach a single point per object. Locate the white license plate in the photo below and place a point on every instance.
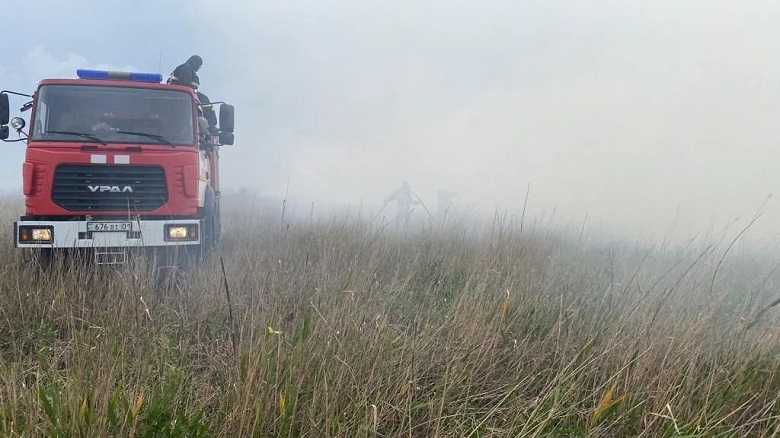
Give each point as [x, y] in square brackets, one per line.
[109, 226]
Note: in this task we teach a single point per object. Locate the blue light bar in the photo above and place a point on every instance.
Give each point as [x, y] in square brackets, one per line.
[91, 74]
[146, 77]
[119, 75]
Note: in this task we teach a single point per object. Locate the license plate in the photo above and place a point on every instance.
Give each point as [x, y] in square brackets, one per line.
[109, 226]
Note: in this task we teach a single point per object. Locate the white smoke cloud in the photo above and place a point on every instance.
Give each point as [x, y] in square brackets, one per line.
[39, 63]
[639, 116]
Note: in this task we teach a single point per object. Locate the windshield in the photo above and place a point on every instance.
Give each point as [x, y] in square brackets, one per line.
[113, 114]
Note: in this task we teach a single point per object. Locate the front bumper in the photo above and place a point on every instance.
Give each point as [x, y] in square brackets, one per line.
[75, 234]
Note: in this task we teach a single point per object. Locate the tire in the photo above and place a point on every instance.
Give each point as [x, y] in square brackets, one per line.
[169, 266]
[43, 258]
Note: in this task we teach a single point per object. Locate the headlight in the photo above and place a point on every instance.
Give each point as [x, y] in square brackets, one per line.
[181, 232]
[32, 234]
[177, 232]
[41, 234]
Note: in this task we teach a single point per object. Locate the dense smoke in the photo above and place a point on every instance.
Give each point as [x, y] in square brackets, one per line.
[641, 119]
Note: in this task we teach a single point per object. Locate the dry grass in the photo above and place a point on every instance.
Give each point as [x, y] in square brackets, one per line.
[343, 328]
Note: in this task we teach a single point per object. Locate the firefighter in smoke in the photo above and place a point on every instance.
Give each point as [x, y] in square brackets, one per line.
[405, 198]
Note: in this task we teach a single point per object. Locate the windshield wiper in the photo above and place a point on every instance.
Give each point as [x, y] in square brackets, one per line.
[81, 134]
[159, 138]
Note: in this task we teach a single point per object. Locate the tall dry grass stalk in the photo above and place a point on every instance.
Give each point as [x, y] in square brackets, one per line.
[344, 327]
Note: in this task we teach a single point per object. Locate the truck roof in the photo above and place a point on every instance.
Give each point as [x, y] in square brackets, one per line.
[116, 83]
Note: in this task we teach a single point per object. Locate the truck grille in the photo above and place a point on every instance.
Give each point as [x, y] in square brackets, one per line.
[107, 187]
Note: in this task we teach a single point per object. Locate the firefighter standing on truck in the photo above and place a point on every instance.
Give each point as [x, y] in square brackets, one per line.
[187, 74]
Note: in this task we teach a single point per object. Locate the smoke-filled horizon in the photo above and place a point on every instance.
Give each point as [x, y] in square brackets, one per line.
[642, 117]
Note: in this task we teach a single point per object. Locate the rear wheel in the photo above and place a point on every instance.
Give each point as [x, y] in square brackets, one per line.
[211, 225]
[217, 222]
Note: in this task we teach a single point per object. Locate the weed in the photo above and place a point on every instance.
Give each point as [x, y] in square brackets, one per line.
[340, 327]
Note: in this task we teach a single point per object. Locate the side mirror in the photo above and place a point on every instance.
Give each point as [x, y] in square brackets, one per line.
[226, 118]
[5, 109]
[226, 138]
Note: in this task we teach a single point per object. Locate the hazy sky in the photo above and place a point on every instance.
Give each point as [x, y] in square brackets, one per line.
[640, 114]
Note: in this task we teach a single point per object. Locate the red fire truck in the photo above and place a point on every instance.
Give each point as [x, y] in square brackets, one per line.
[117, 161]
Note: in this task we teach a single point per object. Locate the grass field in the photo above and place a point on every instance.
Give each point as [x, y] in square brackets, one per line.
[340, 327]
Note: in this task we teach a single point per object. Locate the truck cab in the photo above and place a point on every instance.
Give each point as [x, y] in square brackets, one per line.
[117, 161]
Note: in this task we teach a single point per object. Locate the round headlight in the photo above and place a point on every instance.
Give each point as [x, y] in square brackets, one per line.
[17, 123]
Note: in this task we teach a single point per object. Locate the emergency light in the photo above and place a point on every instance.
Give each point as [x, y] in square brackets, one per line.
[119, 75]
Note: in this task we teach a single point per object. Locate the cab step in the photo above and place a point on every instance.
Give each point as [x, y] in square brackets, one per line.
[111, 256]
